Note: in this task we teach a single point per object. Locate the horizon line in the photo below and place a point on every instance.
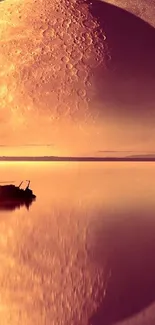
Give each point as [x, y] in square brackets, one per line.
[77, 158]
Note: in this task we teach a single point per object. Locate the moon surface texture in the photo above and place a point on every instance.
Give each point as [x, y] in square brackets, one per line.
[77, 74]
[50, 54]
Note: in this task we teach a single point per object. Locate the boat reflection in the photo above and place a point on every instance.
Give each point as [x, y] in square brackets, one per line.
[13, 204]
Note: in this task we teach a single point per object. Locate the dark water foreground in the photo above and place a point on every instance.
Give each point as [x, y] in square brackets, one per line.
[84, 251]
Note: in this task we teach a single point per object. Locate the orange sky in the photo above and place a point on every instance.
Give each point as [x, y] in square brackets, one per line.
[65, 81]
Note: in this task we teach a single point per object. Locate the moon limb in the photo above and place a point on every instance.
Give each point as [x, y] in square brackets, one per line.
[144, 9]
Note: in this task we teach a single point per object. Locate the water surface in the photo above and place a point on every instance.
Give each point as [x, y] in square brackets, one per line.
[83, 253]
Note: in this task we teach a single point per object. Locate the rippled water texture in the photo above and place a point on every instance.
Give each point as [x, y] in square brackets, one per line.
[83, 253]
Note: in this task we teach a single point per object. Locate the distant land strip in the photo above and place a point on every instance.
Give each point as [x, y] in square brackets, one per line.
[76, 159]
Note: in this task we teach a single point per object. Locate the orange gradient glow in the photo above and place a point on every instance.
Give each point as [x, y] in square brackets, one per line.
[67, 77]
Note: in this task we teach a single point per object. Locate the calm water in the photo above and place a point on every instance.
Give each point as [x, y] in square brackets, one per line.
[83, 253]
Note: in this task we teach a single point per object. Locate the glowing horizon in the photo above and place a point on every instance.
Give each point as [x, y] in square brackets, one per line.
[51, 150]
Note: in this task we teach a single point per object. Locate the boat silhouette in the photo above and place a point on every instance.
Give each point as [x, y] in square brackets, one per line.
[12, 197]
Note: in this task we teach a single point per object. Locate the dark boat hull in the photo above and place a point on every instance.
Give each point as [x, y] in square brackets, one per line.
[12, 197]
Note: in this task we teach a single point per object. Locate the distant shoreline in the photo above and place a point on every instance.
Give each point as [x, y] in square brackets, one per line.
[77, 159]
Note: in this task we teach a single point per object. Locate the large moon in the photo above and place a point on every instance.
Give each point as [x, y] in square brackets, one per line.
[75, 73]
[49, 53]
